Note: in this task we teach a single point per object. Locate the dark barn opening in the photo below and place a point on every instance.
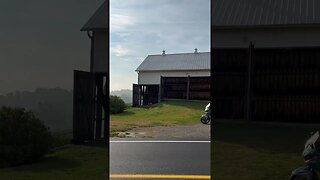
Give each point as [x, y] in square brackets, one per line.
[190, 88]
[145, 94]
[267, 84]
[90, 107]
[199, 88]
[178, 88]
[174, 87]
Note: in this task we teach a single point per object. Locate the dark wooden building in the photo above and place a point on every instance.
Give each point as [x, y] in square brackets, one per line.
[266, 60]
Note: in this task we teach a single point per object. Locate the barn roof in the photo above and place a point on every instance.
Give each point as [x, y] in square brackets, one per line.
[99, 20]
[264, 13]
[171, 62]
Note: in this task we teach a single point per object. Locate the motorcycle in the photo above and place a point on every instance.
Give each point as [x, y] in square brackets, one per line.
[206, 117]
[311, 154]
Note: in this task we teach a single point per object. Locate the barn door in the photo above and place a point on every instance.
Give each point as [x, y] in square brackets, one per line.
[135, 95]
[83, 106]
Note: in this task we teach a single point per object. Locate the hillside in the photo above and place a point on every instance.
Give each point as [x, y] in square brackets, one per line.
[51, 105]
[125, 94]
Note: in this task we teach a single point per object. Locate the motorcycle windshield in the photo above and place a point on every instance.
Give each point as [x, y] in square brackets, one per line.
[207, 107]
[312, 140]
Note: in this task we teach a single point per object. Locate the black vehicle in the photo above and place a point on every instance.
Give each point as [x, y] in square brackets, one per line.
[311, 154]
[206, 117]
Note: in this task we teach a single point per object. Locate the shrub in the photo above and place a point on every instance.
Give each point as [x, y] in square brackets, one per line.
[23, 137]
[117, 105]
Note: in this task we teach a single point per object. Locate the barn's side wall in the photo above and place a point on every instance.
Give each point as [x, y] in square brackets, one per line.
[267, 37]
[100, 55]
[148, 77]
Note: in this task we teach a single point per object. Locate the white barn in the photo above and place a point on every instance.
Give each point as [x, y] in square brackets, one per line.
[173, 76]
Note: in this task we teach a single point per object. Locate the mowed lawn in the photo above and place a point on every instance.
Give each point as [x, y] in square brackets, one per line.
[257, 151]
[69, 163]
[163, 114]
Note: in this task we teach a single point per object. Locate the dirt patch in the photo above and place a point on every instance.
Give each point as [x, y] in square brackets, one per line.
[198, 131]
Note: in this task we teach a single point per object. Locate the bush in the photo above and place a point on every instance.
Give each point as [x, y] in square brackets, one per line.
[117, 105]
[23, 137]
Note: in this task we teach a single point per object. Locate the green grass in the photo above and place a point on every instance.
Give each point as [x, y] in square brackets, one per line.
[256, 151]
[163, 114]
[71, 162]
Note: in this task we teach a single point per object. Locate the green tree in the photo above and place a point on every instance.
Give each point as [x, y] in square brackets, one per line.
[117, 105]
[23, 137]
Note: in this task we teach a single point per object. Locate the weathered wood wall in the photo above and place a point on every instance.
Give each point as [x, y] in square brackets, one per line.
[90, 106]
[83, 106]
[285, 84]
[190, 88]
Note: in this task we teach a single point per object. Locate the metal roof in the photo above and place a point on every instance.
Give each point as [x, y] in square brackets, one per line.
[171, 62]
[99, 20]
[246, 13]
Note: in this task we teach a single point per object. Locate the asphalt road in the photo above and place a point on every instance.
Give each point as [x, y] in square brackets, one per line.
[161, 158]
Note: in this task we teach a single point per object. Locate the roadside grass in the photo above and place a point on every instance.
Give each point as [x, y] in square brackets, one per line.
[257, 151]
[70, 162]
[163, 114]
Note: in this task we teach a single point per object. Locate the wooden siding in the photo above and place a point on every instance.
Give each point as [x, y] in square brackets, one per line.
[285, 84]
[190, 88]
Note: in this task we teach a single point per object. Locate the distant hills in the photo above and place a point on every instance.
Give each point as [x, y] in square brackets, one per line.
[125, 94]
[52, 106]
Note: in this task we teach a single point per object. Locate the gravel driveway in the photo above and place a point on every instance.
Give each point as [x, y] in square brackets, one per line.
[185, 132]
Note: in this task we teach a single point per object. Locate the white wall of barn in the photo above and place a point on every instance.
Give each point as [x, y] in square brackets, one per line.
[267, 37]
[100, 55]
[153, 77]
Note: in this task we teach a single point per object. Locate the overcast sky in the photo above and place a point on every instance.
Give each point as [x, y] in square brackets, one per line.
[143, 27]
[41, 43]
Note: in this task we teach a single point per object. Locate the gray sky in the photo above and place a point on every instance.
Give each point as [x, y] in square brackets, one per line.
[143, 27]
[41, 43]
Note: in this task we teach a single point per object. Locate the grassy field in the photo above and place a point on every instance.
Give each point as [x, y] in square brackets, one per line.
[256, 151]
[71, 162]
[162, 114]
